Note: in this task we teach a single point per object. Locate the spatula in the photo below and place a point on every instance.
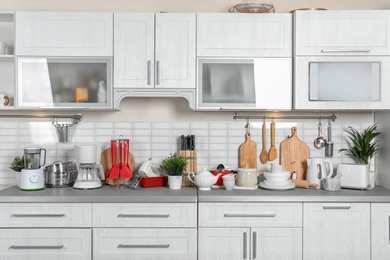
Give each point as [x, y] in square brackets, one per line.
[125, 169]
[114, 171]
[272, 154]
[264, 153]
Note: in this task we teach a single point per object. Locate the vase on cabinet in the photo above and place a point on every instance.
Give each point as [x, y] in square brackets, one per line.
[174, 182]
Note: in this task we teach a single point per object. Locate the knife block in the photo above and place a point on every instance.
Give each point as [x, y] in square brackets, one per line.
[190, 167]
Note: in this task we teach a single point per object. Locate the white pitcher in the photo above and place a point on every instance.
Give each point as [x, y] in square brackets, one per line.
[316, 170]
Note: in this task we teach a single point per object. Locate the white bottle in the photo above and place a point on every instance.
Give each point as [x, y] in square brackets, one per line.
[102, 92]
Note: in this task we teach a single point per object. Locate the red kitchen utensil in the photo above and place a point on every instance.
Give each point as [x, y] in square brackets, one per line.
[114, 171]
[125, 169]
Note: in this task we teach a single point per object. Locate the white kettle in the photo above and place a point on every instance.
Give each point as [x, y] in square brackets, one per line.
[317, 170]
[204, 179]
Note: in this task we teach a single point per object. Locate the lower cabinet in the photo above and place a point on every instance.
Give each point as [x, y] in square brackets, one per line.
[380, 231]
[250, 243]
[38, 244]
[336, 231]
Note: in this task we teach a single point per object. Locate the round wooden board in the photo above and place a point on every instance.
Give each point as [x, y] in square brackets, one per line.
[106, 162]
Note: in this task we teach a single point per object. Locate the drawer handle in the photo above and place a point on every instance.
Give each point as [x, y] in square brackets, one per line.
[254, 246]
[244, 245]
[38, 215]
[337, 207]
[37, 247]
[389, 229]
[263, 215]
[143, 246]
[345, 51]
[143, 215]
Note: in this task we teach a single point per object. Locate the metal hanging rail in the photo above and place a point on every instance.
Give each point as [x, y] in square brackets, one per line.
[75, 118]
[332, 117]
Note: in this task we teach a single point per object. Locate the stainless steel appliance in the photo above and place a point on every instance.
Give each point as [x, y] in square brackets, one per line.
[60, 174]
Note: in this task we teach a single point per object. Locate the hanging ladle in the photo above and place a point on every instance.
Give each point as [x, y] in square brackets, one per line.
[320, 142]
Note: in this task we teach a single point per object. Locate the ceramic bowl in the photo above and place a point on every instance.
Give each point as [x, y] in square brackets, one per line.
[277, 176]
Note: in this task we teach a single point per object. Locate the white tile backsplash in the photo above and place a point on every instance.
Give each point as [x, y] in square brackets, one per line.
[216, 142]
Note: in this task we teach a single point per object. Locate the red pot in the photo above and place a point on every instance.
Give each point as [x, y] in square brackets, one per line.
[223, 173]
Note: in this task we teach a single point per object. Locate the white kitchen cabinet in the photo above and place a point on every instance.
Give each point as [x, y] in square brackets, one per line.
[64, 34]
[250, 231]
[342, 32]
[244, 35]
[380, 231]
[144, 243]
[38, 244]
[336, 231]
[154, 50]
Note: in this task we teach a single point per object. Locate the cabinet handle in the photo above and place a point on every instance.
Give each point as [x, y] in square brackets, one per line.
[149, 73]
[37, 247]
[245, 245]
[143, 246]
[345, 51]
[262, 215]
[389, 229]
[38, 215]
[254, 245]
[337, 207]
[143, 215]
[158, 72]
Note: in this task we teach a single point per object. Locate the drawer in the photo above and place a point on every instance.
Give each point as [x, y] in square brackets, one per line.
[144, 215]
[38, 244]
[144, 243]
[250, 214]
[45, 215]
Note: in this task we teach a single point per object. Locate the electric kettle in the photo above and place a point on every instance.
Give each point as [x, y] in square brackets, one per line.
[317, 170]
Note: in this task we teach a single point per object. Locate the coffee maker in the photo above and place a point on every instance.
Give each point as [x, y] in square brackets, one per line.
[31, 177]
[89, 171]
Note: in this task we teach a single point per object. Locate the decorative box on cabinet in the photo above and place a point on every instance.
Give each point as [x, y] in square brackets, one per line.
[154, 55]
[380, 231]
[250, 231]
[336, 231]
[64, 34]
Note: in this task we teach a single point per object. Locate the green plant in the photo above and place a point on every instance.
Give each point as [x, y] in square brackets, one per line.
[17, 164]
[174, 165]
[362, 145]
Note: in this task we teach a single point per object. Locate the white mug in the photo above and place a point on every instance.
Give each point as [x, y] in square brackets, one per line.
[228, 183]
[4, 100]
[3, 47]
[230, 176]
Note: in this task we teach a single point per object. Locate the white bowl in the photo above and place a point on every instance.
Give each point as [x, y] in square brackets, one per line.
[277, 176]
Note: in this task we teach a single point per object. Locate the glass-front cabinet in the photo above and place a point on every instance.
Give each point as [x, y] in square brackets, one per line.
[64, 82]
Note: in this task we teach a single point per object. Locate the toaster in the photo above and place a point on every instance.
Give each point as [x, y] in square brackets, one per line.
[354, 176]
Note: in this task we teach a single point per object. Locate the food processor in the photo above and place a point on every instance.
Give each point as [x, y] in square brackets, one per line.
[90, 172]
[32, 177]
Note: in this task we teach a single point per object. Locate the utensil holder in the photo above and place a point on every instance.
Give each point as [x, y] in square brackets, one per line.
[62, 132]
[331, 184]
[192, 166]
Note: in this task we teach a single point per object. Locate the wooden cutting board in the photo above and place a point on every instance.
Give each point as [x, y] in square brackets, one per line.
[293, 155]
[248, 153]
[106, 162]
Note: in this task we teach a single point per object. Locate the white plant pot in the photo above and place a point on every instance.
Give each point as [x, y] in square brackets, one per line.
[174, 182]
[17, 175]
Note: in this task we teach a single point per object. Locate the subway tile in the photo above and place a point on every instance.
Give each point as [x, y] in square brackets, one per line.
[123, 125]
[104, 132]
[161, 132]
[198, 126]
[100, 125]
[157, 126]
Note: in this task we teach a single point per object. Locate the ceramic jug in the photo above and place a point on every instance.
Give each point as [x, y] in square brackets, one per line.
[317, 171]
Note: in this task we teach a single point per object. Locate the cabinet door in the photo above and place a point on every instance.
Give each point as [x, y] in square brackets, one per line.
[276, 243]
[38, 244]
[224, 243]
[336, 231]
[133, 50]
[175, 50]
[64, 34]
[380, 231]
[144, 243]
[244, 35]
[342, 32]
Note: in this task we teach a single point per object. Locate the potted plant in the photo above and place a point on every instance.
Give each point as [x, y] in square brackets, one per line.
[174, 167]
[362, 147]
[17, 165]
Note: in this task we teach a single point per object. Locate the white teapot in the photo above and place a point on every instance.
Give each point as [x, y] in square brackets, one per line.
[204, 179]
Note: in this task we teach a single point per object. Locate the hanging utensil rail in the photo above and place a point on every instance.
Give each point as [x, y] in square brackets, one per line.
[332, 117]
[75, 118]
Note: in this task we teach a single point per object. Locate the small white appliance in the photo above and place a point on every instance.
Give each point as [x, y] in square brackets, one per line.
[317, 171]
[146, 169]
[354, 176]
[32, 177]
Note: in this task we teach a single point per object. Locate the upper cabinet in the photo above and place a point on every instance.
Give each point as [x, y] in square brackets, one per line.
[342, 32]
[244, 35]
[154, 50]
[64, 34]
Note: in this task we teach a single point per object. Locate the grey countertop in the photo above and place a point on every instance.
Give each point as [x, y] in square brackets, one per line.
[378, 194]
[108, 194]
[104, 195]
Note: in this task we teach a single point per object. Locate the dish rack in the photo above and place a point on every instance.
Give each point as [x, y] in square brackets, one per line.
[252, 7]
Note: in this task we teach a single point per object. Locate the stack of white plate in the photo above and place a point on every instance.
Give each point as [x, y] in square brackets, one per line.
[277, 181]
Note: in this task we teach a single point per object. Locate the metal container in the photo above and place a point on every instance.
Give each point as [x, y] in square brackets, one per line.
[59, 174]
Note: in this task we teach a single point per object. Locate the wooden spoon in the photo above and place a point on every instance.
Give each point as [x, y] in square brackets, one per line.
[264, 153]
[272, 154]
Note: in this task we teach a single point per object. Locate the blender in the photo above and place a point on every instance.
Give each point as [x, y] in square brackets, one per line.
[90, 172]
[32, 177]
